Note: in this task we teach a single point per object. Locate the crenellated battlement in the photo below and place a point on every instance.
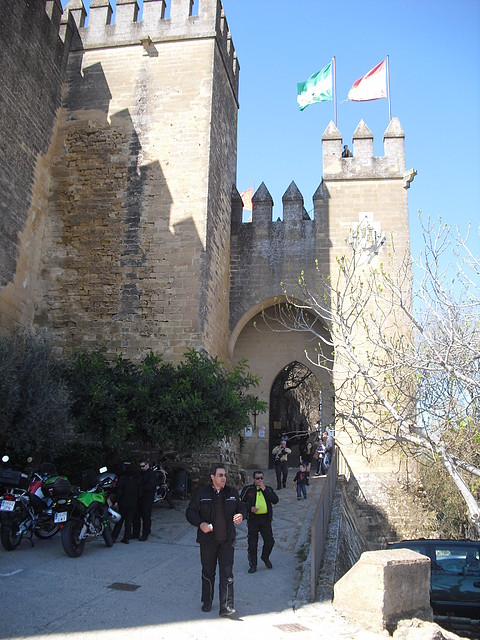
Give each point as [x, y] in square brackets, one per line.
[293, 214]
[363, 164]
[361, 200]
[56, 35]
[154, 27]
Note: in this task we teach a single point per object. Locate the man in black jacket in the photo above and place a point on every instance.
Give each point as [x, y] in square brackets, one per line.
[259, 499]
[127, 493]
[216, 509]
[143, 513]
[280, 454]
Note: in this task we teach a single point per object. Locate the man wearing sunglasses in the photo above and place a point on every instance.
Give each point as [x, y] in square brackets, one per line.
[259, 499]
[215, 509]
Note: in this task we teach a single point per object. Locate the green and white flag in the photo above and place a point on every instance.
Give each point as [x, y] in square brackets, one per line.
[318, 88]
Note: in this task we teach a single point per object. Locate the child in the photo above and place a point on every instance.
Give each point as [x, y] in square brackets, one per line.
[300, 482]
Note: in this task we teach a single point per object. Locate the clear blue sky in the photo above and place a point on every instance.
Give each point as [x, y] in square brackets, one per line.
[434, 54]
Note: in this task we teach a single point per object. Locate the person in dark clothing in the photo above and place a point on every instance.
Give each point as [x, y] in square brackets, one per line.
[280, 454]
[143, 513]
[259, 499]
[346, 153]
[306, 456]
[127, 494]
[215, 510]
[319, 456]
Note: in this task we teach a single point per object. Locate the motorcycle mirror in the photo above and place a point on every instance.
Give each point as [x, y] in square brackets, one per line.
[5, 458]
[102, 469]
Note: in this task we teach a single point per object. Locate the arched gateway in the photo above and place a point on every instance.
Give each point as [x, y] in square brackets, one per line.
[270, 346]
[363, 197]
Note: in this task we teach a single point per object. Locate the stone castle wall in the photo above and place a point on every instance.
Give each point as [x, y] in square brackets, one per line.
[143, 157]
[33, 58]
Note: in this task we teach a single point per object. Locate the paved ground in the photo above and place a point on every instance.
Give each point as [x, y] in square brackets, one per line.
[153, 588]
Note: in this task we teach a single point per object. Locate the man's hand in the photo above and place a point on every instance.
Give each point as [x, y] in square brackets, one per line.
[237, 518]
[254, 509]
[206, 528]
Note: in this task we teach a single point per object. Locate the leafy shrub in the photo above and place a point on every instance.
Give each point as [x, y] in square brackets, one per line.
[34, 400]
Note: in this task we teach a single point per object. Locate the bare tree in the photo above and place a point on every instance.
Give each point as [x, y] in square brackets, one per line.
[405, 342]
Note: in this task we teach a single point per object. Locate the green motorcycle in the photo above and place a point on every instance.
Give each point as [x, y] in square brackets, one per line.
[87, 515]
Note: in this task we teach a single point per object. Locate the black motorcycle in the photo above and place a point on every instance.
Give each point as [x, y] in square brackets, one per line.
[25, 507]
[162, 490]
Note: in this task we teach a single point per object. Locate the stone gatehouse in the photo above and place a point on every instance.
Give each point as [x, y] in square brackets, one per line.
[121, 221]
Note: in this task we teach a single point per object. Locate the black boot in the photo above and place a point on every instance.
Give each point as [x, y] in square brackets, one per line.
[226, 599]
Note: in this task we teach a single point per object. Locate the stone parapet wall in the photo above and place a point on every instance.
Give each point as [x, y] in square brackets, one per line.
[155, 26]
[384, 587]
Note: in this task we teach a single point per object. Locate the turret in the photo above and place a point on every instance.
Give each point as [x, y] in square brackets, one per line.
[364, 164]
[105, 31]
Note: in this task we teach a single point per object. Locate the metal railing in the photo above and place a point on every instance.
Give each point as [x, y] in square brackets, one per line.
[338, 466]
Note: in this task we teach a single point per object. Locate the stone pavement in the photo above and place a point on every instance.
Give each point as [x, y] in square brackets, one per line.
[152, 589]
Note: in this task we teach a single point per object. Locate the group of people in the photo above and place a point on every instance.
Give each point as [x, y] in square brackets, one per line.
[134, 496]
[319, 454]
[217, 508]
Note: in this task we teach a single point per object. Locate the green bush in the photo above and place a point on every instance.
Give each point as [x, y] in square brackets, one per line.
[112, 401]
[34, 400]
[194, 404]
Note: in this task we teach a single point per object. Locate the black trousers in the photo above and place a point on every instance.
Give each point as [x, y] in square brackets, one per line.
[143, 514]
[211, 554]
[281, 469]
[259, 525]
[127, 518]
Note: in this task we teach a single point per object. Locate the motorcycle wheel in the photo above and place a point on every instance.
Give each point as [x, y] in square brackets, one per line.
[107, 535]
[10, 534]
[72, 546]
[47, 530]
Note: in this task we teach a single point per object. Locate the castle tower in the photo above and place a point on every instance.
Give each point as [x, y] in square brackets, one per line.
[364, 185]
[136, 242]
[363, 195]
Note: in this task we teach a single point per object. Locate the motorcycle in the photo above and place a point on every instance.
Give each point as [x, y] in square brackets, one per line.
[25, 509]
[87, 514]
[162, 490]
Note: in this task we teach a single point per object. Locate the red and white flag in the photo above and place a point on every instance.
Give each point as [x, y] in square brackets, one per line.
[371, 86]
[246, 197]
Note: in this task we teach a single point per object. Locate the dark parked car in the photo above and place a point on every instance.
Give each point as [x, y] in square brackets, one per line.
[455, 575]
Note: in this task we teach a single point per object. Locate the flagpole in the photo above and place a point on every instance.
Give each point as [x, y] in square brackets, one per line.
[335, 88]
[388, 90]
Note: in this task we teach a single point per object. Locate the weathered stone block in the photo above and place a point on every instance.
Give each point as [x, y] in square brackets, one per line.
[384, 587]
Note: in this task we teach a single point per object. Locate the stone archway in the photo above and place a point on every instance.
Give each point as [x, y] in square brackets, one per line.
[269, 348]
[295, 408]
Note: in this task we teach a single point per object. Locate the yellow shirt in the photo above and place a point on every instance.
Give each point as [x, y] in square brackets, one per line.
[260, 503]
